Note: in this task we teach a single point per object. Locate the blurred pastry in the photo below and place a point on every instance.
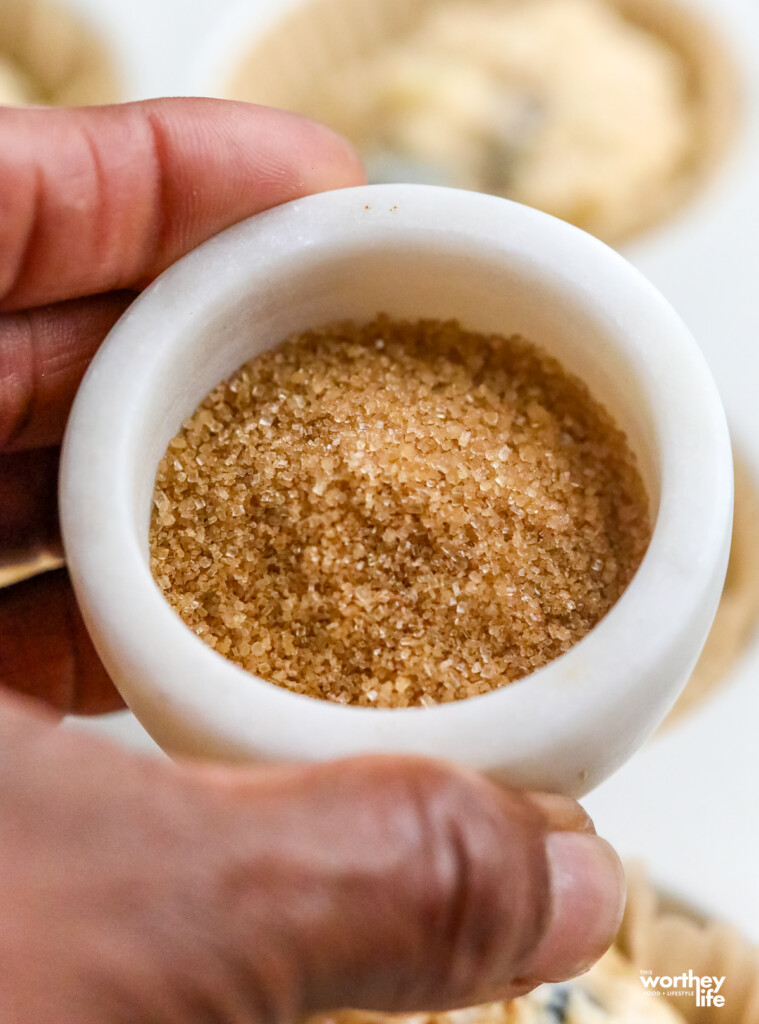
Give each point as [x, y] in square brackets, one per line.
[737, 618]
[15, 87]
[49, 54]
[611, 993]
[665, 936]
[606, 113]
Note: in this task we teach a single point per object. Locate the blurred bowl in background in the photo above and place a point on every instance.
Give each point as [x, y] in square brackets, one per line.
[607, 113]
[737, 618]
[660, 935]
[50, 54]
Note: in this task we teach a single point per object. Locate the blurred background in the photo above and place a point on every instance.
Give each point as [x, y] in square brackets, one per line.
[638, 120]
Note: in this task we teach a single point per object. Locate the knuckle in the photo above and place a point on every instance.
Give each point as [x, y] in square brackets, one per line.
[481, 893]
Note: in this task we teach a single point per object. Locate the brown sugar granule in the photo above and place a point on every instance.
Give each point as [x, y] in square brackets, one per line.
[397, 514]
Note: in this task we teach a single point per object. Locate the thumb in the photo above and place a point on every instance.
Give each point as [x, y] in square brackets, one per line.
[401, 884]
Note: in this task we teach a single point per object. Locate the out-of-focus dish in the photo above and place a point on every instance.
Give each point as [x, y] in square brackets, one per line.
[737, 617]
[49, 54]
[607, 113]
[16, 89]
[666, 937]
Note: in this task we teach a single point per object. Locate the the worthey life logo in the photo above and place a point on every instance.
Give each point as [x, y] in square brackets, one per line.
[706, 988]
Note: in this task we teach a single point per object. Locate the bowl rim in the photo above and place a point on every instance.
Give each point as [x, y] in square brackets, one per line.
[549, 726]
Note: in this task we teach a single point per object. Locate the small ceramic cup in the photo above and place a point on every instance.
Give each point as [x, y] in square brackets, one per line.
[408, 251]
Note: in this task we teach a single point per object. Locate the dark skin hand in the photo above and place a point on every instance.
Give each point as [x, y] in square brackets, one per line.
[144, 891]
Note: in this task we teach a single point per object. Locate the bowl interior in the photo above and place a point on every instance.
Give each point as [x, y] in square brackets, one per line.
[416, 279]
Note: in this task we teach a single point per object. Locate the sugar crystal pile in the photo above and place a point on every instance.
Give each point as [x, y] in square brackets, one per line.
[397, 514]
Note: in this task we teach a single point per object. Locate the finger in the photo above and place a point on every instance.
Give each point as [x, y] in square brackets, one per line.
[28, 503]
[103, 198]
[43, 355]
[45, 651]
[399, 884]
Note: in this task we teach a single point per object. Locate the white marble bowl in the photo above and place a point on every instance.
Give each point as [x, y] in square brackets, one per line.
[408, 251]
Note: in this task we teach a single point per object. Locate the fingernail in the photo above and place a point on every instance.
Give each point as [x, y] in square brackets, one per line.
[561, 813]
[588, 900]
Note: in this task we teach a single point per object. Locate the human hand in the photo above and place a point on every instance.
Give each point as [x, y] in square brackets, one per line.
[139, 891]
[94, 203]
[143, 891]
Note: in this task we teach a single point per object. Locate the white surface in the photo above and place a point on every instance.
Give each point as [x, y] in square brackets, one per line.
[689, 803]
